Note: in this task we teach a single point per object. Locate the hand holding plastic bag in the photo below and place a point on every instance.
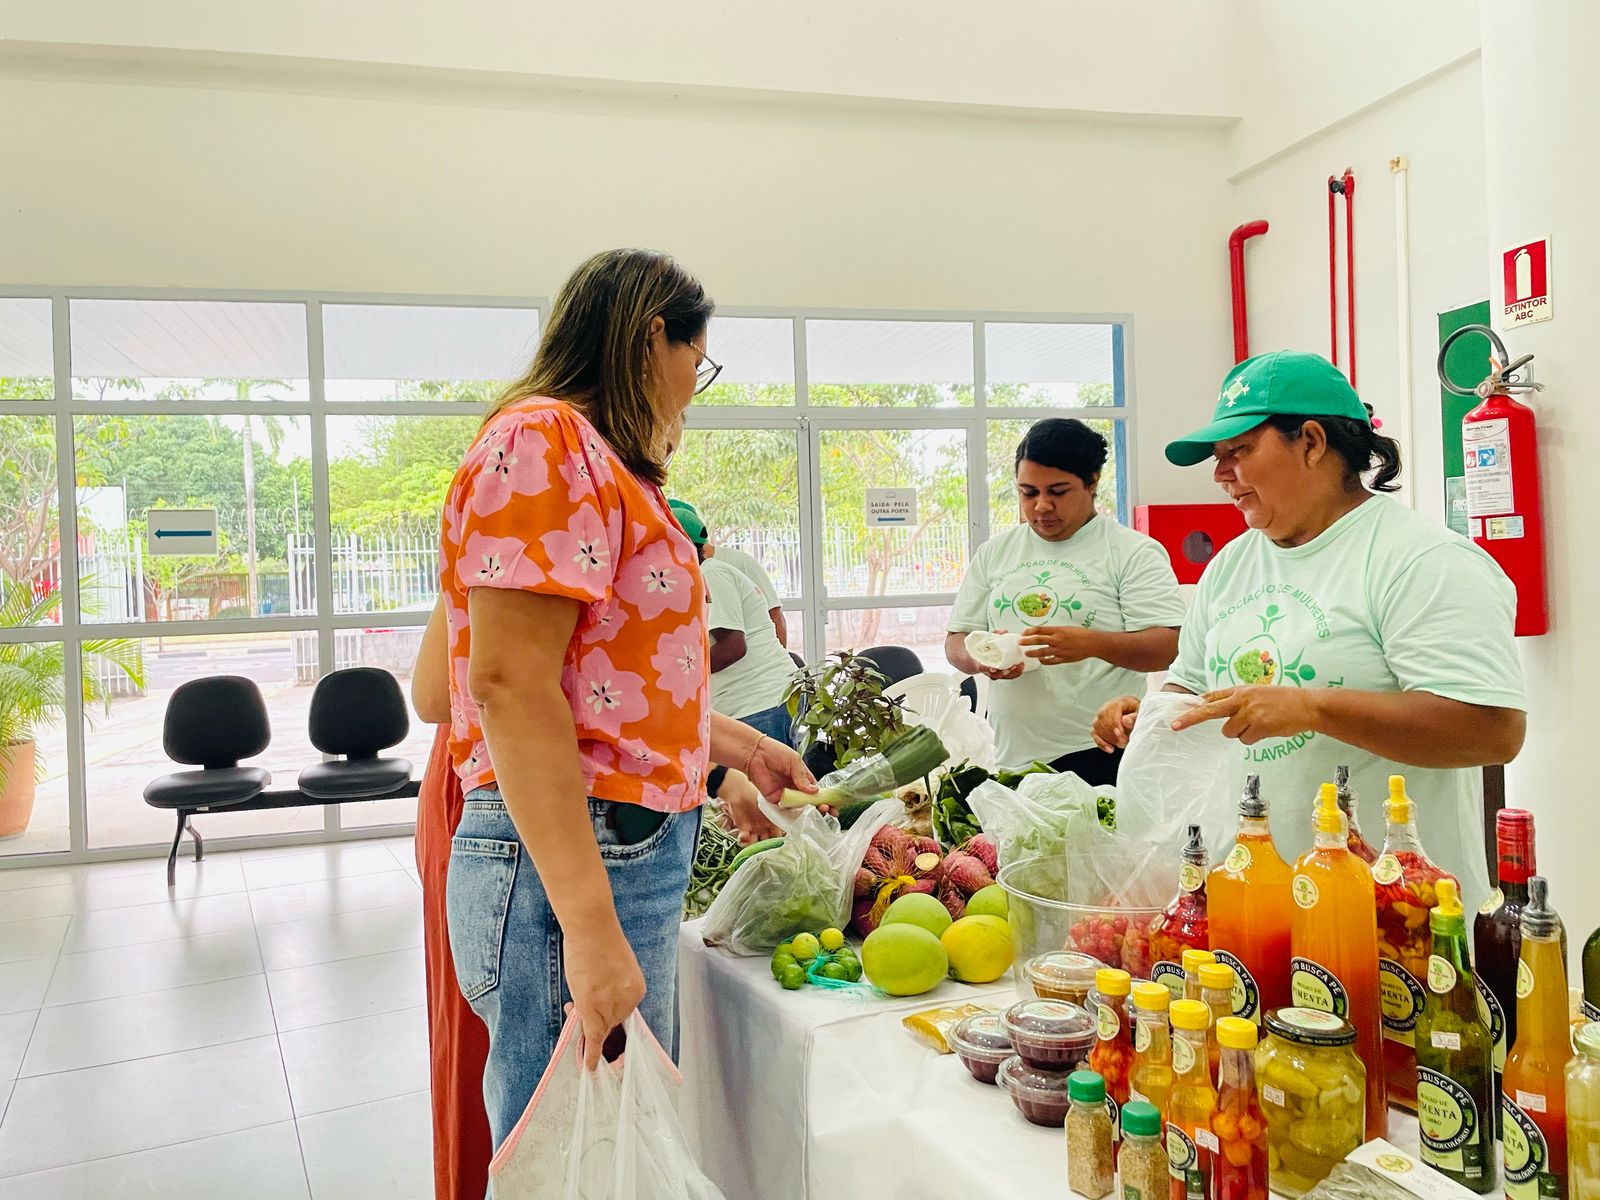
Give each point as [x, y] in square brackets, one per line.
[607, 1134]
[804, 885]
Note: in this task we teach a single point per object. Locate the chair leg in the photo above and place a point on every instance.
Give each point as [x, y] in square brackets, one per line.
[199, 842]
[172, 855]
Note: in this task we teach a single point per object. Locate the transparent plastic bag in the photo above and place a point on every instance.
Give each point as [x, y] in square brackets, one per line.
[1167, 781]
[802, 886]
[607, 1134]
[1043, 815]
[934, 699]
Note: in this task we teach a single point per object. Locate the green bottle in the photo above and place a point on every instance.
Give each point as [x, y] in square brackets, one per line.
[1591, 977]
[1455, 1057]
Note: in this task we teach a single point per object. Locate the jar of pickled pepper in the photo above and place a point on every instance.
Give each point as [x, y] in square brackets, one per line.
[1313, 1093]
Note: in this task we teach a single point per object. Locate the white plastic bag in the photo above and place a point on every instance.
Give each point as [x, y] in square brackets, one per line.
[804, 885]
[607, 1134]
[1167, 781]
[1044, 814]
[999, 651]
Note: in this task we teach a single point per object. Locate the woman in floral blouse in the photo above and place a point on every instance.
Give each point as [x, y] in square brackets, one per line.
[580, 722]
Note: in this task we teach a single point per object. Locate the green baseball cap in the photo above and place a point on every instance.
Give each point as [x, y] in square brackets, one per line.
[690, 520]
[1284, 382]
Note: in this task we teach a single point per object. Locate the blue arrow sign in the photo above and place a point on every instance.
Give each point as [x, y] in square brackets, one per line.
[166, 533]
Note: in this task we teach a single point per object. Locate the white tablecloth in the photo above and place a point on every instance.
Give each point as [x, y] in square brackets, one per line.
[810, 1094]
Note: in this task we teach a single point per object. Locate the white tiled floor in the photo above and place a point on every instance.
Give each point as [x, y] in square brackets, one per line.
[258, 1034]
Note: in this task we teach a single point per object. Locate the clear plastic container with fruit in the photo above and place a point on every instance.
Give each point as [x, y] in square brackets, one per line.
[1182, 925]
[1040, 1096]
[1050, 1034]
[1062, 975]
[1042, 920]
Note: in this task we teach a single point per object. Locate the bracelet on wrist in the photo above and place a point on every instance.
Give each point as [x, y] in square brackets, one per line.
[751, 758]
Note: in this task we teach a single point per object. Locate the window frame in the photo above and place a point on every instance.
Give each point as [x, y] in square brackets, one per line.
[807, 421]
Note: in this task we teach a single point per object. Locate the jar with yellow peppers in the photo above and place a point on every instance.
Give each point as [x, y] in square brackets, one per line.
[1313, 1092]
[1583, 1116]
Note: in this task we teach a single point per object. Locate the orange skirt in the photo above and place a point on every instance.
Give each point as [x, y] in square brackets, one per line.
[458, 1042]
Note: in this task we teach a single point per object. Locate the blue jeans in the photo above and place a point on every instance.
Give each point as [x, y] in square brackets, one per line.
[774, 722]
[507, 945]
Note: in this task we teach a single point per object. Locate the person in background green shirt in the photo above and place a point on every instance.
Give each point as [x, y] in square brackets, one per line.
[1342, 627]
[1097, 604]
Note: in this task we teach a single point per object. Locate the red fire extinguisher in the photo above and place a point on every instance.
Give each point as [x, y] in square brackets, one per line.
[1500, 450]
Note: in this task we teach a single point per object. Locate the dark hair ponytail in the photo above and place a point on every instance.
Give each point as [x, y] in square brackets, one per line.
[1361, 446]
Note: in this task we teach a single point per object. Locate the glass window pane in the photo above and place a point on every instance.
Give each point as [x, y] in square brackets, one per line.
[744, 484]
[395, 650]
[387, 478]
[415, 352]
[1033, 363]
[253, 471]
[757, 357]
[27, 366]
[896, 364]
[921, 629]
[30, 554]
[33, 752]
[1004, 437]
[188, 350]
[123, 745]
[929, 555]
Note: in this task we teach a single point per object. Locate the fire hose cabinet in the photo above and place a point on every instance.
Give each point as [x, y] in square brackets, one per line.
[1191, 534]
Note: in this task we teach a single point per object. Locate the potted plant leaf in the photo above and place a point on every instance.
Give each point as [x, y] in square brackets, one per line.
[841, 712]
[33, 691]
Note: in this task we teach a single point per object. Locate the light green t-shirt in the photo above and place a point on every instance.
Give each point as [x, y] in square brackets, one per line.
[1107, 577]
[758, 680]
[752, 570]
[1384, 600]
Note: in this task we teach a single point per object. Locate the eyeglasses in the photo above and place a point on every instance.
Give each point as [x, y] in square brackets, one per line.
[706, 373]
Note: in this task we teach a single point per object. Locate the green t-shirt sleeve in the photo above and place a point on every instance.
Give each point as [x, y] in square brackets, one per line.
[1445, 623]
[725, 610]
[1148, 590]
[971, 609]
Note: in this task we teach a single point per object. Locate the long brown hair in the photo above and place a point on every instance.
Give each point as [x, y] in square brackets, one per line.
[595, 350]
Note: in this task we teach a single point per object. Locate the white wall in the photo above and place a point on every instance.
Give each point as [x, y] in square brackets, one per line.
[774, 206]
[1060, 54]
[1287, 269]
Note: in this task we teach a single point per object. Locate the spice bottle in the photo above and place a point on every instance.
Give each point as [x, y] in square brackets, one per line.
[1534, 1097]
[1455, 1058]
[1091, 1162]
[1142, 1163]
[1152, 1046]
[1239, 1171]
[1334, 939]
[1248, 908]
[1405, 883]
[1182, 924]
[1190, 1143]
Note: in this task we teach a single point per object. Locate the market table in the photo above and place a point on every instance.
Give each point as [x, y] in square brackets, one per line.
[795, 1095]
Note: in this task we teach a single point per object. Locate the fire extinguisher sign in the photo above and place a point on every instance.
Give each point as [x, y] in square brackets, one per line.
[1486, 452]
[1526, 271]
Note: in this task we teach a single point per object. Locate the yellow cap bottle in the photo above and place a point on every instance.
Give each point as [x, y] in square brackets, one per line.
[1398, 806]
[1151, 997]
[1109, 981]
[1193, 960]
[1329, 819]
[1189, 1014]
[1216, 976]
[1235, 1033]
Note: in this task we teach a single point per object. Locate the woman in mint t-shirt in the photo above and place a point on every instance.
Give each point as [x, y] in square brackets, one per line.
[1342, 627]
[1096, 604]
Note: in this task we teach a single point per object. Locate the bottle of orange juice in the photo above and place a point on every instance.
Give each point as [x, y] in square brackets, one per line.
[1534, 1099]
[1248, 901]
[1333, 938]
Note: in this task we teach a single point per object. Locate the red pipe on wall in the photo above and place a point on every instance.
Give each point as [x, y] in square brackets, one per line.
[1333, 274]
[1342, 186]
[1241, 323]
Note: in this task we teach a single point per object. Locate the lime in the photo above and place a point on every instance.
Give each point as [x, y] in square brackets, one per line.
[852, 969]
[835, 970]
[806, 947]
[780, 961]
[793, 977]
[785, 948]
[988, 902]
[831, 939]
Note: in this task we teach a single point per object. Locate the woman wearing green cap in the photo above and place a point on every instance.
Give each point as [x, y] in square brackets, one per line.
[1342, 628]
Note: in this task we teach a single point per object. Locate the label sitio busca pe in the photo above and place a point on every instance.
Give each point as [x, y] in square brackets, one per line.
[1494, 1016]
[1402, 998]
[1452, 1127]
[1246, 993]
[1312, 985]
[1529, 1173]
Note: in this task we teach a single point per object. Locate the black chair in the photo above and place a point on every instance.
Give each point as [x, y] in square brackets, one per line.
[969, 689]
[211, 723]
[356, 713]
[799, 662]
[894, 662]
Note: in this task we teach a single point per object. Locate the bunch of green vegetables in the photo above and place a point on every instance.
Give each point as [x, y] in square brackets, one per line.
[715, 857]
[953, 819]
